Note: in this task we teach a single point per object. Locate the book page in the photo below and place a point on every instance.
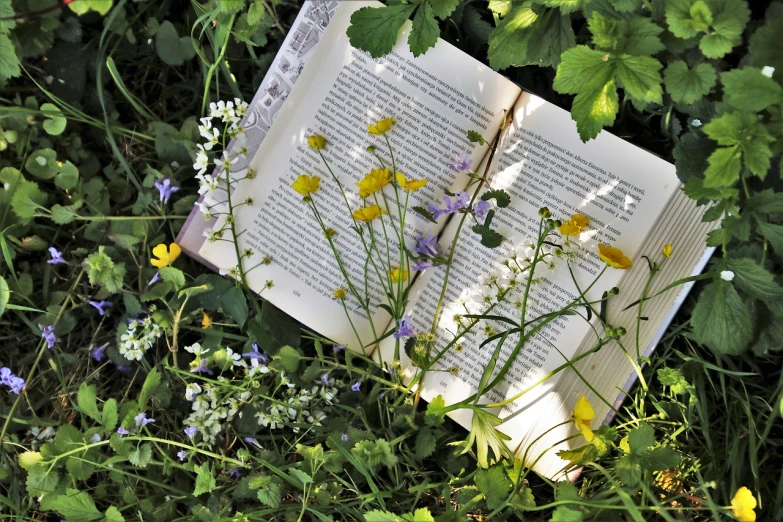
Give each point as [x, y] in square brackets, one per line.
[435, 98]
[542, 162]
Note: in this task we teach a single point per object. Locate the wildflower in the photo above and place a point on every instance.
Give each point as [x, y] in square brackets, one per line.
[373, 182]
[47, 333]
[181, 455]
[95, 438]
[256, 355]
[97, 353]
[166, 189]
[397, 275]
[202, 161]
[235, 473]
[337, 348]
[613, 257]
[344, 437]
[381, 126]
[206, 322]
[404, 328]
[223, 110]
[340, 294]
[200, 366]
[316, 142]
[141, 420]
[421, 264]
[191, 431]
[743, 504]
[57, 257]
[427, 246]
[696, 122]
[461, 201]
[325, 378]
[574, 226]
[206, 183]
[251, 440]
[101, 306]
[583, 413]
[14, 383]
[481, 208]
[411, 185]
[727, 275]
[191, 391]
[462, 163]
[212, 138]
[667, 250]
[166, 256]
[357, 386]
[123, 368]
[122, 431]
[154, 279]
[306, 185]
[367, 214]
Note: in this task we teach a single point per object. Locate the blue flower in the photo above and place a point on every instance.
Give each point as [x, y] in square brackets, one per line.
[191, 431]
[202, 368]
[16, 384]
[122, 431]
[95, 438]
[461, 201]
[256, 354]
[47, 333]
[181, 455]
[235, 473]
[481, 208]
[421, 264]
[462, 163]
[251, 440]
[357, 386]
[57, 257]
[97, 353]
[404, 328]
[337, 348]
[141, 420]
[427, 246]
[154, 279]
[101, 306]
[325, 378]
[166, 189]
[344, 437]
[123, 368]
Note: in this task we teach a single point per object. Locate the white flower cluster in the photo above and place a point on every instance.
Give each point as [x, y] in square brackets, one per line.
[300, 405]
[138, 338]
[213, 407]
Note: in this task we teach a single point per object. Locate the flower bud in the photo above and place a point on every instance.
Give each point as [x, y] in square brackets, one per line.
[544, 213]
[614, 290]
[620, 331]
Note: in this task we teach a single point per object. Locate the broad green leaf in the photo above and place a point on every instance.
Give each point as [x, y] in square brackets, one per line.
[301, 476]
[765, 202]
[494, 485]
[640, 78]
[475, 26]
[234, 304]
[689, 85]
[765, 48]
[141, 456]
[772, 233]
[64, 215]
[687, 18]
[172, 275]
[583, 69]
[86, 400]
[567, 514]
[749, 90]
[149, 387]
[5, 295]
[746, 136]
[113, 515]
[82, 6]
[420, 515]
[566, 6]
[289, 357]
[729, 20]
[660, 458]
[110, 416]
[67, 176]
[270, 492]
[625, 6]
[435, 414]
[274, 329]
[754, 279]
[55, 122]
[443, 8]
[231, 6]
[171, 48]
[724, 167]
[9, 63]
[377, 515]
[425, 31]
[76, 506]
[205, 482]
[79, 467]
[41, 164]
[42, 483]
[375, 29]
[641, 438]
[29, 459]
[722, 320]
[27, 199]
[636, 36]
[425, 443]
[594, 110]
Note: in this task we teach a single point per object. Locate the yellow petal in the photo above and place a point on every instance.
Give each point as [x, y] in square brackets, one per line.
[624, 444]
[206, 322]
[743, 505]
[174, 252]
[587, 433]
[667, 250]
[160, 251]
[584, 410]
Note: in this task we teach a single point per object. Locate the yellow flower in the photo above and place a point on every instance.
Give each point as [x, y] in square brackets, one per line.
[667, 250]
[366, 214]
[373, 182]
[743, 504]
[410, 184]
[306, 185]
[206, 322]
[624, 444]
[613, 257]
[165, 255]
[316, 141]
[340, 293]
[583, 413]
[380, 127]
[397, 275]
[574, 226]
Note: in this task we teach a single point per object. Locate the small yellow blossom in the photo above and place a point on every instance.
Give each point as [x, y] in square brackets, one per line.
[397, 275]
[165, 255]
[667, 250]
[743, 504]
[316, 142]
[380, 127]
[340, 293]
[583, 413]
[206, 321]
[624, 444]
[574, 226]
[411, 185]
[373, 182]
[366, 214]
[613, 257]
[306, 185]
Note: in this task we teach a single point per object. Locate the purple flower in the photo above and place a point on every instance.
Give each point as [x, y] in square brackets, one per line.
[344, 437]
[16, 384]
[421, 264]
[101, 306]
[47, 333]
[122, 431]
[404, 328]
[57, 257]
[141, 420]
[97, 353]
[435, 210]
[461, 201]
[462, 163]
[481, 208]
[261, 357]
[190, 431]
[166, 189]
[202, 368]
[427, 246]
[337, 348]
[181, 455]
[123, 368]
[154, 279]
[235, 473]
[357, 386]
[95, 438]
[251, 440]
[325, 378]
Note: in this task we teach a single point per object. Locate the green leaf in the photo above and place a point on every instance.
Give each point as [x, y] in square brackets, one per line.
[110, 416]
[583, 69]
[99, 6]
[425, 31]
[489, 238]
[661, 458]
[501, 197]
[636, 36]
[149, 387]
[435, 413]
[475, 137]
[729, 20]
[420, 515]
[172, 49]
[205, 482]
[724, 167]
[749, 90]
[747, 137]
[765, 202]
[270, 492]
[641, 438]
[86, 400]
[41, 164]
[39, 484]
[301, 476]
[274, 329]
[426, 443]
[9, 63]
[567, 514]
[628, 469]
[722, 320]
[289, 358]
[765, 48]
[624, 6]
[113, 515]
[375, 29]
[443, 8]
[640, 78]
[231, 6]
[234, 304]
[377, 515]
[754, 279]
[689, 85]
[67, 176]
[55, 122]
[141, 456]
[76, 506]
[494, 485]
[173, 275]
[27, 199]
[595, 109]
[688, 18]
[79, 468]
[5, 295]
[772, 233]
[566, 6]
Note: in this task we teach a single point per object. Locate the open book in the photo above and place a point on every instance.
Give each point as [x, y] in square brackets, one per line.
[632, 198]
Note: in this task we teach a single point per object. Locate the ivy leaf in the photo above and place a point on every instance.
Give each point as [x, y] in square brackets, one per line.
[765, 48]
[425, 31]
[749, 90]
[375, 29]
[86, 400]
[729, 20]
[640, 78]
[689, 85]
[722, 320]
[443, 8]
[754, 279]
[500, 196]
[205, 482]
[494, 485]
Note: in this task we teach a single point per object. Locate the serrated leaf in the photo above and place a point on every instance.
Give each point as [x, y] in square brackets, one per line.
[141, 456]
[688, 18]
[375, 29]
[689, 85]
[724, 167]
[172, 275]
[205, 482]
[425, 443]
[29, 459]
[501, 197]
[754, 279]
[771, 232]
[113, 515]
[641, 438]
[9, 63]
[67, 176]
[660, 458]
[489, 238]
[64, 215]
[729, 20]
[76, 506]
[425, 31]
[301, 476]
[636, 36]
[443, 8]
[42, 483]
[270, 492]
[377, 515]
[566, 6]
[476, 27]
[628, 469]
[583, 69]
[289, 357]
[86, 400]
[27, 199]
[640, 78]
[749, 90]
[566, 514]
[625, 6]
[435, 413]
[595, 109]
[765, 48]
[722, 320]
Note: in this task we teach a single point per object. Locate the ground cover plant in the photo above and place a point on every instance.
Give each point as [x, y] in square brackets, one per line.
[138, 385]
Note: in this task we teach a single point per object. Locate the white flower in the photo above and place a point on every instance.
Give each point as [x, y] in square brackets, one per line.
[235, 358]
[228, 159]
[191, 391]
[257, 367]
[241, 107]
[202, 162]
[768, 71]
[207, 183]
[194, 348]
[696, 122]
[727, 275]
[212, 139]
